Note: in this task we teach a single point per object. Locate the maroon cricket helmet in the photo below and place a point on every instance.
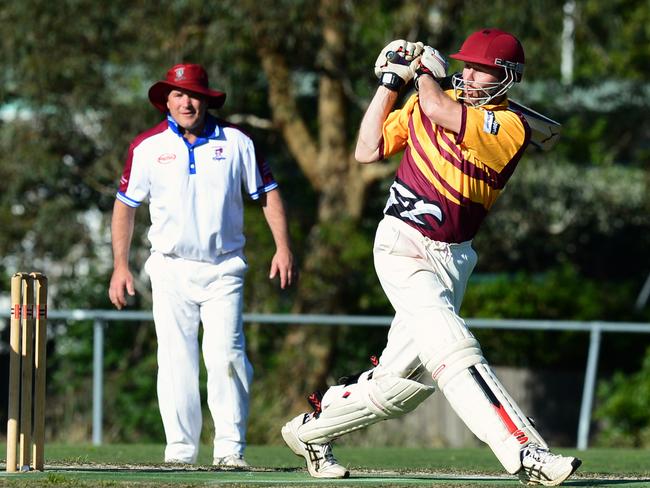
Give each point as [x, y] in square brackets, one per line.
[493, 47]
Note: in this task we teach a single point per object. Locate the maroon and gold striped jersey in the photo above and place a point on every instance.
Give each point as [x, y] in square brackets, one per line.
[446, 181]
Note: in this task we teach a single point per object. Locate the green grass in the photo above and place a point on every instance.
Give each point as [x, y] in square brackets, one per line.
[126, 465]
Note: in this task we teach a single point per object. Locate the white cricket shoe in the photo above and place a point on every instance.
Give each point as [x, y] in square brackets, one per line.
[320, 460]
[539, 466]
[232, 461]
[178, 461]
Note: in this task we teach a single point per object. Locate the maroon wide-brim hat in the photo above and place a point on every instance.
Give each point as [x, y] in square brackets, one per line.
[189, 77]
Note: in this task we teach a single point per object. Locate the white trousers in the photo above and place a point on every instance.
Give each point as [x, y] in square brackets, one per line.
[186, 293]
[425, 282]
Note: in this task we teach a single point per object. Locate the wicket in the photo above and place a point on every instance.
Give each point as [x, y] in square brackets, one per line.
[26, 412]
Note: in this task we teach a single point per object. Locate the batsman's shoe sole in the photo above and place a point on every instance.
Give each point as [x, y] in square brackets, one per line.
[319, 458]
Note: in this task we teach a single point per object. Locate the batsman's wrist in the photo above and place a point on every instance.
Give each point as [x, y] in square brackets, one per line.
[422, 72]
[391, 81]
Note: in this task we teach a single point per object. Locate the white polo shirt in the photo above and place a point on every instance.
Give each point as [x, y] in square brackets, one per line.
[194, 190]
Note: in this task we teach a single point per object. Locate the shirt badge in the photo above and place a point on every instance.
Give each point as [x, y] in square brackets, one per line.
[166, 158]
[218, 154]
[490, 124]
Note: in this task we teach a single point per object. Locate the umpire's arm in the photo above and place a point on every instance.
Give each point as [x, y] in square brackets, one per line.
[282, 262]
[122, 224]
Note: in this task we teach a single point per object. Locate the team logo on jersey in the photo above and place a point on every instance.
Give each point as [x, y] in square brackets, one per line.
[166, 158]
[218, 154]
[404, 204]
[490, 124]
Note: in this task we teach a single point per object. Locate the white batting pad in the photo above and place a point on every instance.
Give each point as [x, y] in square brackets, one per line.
[479, 399]
[346, 408]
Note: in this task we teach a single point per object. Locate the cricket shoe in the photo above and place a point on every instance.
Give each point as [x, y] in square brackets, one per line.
[539, 466]
[177, 461]
[232, 461]
[321, 463]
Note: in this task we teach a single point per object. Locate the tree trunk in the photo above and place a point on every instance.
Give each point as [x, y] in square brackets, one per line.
[327, 160]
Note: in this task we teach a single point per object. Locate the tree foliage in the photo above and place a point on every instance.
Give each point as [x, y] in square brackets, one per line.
[625, 408]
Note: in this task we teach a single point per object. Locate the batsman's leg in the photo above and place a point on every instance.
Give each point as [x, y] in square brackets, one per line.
[379, 394]
[344, 409]
[424, 281]
[481, 401]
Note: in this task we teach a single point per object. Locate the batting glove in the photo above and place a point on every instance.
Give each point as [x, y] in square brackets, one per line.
[395, 64]
[431, 63]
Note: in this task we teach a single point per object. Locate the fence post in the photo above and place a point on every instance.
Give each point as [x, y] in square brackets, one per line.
[589, 387]
[98, 380]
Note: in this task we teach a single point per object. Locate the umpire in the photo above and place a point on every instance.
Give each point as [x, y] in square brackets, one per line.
[192, 169]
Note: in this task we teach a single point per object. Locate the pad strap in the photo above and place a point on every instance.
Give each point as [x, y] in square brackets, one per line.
[453, 359]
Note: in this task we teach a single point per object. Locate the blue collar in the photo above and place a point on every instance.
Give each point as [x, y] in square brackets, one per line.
[210, 130]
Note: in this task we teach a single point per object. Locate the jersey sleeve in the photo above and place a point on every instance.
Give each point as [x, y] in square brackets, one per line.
[134, 183]
[496, 136]
[257, 176]
[396, 129]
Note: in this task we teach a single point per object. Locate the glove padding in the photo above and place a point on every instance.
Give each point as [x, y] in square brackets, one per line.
[399, 57]
[431, 63]
[435, 62]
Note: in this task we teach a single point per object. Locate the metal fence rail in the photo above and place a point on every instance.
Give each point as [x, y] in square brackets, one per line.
[101, 318]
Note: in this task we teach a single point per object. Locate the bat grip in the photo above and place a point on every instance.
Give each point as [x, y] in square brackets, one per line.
[393, 57]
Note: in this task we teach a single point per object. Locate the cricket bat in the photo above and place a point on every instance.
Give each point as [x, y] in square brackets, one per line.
[545, 132]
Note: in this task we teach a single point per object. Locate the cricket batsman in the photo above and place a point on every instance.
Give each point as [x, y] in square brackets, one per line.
[459, 148]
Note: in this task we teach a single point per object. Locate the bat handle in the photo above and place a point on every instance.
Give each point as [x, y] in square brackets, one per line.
[392, 56]
[396, 57]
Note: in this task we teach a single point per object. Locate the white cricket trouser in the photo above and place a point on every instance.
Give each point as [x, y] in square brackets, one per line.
[425, 282]
[186, 293]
